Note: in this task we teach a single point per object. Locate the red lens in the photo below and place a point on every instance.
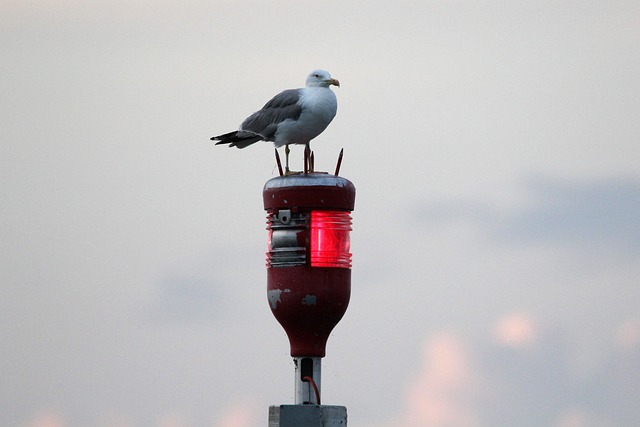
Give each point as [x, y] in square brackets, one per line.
[330, 241]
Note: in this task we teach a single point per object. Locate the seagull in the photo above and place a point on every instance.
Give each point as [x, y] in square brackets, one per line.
[294, 116]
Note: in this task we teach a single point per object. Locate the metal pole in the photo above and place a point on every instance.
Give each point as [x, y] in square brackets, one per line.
[307, 380]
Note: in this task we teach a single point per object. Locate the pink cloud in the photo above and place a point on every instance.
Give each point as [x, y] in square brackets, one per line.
[48, 418]
[627, 335]
[516, 329]
[240, 414]
[441, 392]
[173, 420]
[578, 417]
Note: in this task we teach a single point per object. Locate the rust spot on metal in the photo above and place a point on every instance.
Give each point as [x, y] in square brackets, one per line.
[273, 295]
[309, 300]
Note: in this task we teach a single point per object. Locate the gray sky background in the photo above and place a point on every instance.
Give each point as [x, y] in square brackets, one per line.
[495, 149]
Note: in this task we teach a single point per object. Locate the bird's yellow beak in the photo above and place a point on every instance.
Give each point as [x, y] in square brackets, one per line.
[334, 82]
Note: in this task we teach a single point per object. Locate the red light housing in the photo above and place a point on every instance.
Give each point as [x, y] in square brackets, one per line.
[308, 256]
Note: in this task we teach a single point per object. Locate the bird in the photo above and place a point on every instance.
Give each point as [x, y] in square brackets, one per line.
[294, 116]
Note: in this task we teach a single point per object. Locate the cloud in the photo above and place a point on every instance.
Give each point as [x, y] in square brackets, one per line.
[239, 414]
[187, 300]
[581, 212]
[516, 329]
[48, 418]
[173, 420]
[579, 417]
[524, 373]
[627, 335]
[584, 212]
[440, 394]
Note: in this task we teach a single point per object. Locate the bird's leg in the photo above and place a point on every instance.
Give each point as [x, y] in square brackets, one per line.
[308, 157]
[287, 171]
[286, 163]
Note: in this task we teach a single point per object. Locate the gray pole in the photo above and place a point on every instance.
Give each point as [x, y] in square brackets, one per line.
[307, 367]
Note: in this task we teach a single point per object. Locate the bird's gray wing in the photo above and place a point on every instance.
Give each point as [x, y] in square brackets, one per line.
[281, 107]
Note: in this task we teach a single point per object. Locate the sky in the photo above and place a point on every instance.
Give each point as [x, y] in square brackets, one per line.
[495, 150]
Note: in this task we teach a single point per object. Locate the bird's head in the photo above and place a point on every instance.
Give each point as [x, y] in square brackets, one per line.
[321, 78]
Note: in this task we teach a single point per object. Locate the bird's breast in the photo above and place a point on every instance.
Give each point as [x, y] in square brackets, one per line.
[321, 103]
[319, 107]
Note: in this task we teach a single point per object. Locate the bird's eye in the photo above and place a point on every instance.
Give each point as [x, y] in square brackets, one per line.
[316, 75]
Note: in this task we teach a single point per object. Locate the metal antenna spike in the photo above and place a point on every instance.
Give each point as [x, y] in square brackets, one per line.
[339, 162]
[278, 162]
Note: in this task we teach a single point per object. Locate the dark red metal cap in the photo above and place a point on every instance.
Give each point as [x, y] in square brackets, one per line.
[309, 191]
